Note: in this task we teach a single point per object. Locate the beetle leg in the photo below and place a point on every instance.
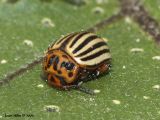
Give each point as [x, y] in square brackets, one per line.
[86, 90]
[80, 88]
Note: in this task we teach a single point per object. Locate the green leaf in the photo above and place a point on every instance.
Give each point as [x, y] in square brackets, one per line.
[153, 7]
[130, 90]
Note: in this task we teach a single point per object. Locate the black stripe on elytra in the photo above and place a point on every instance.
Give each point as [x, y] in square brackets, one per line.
[63, 44]
[51, 45]
[106, 61]
[59, 40]
[77, 38]
[63, 38]
[85, 42]
[95, 55]
[95, 46]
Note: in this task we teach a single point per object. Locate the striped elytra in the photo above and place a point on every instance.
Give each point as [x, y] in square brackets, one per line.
[75, 58]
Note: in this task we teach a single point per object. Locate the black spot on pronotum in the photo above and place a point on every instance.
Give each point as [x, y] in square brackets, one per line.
[62, 80]
[59, 72]
[52, 79]
[63, 64]
[69, 66]
[70, 74]
[51, 60]
[56, 61]
[55, 67]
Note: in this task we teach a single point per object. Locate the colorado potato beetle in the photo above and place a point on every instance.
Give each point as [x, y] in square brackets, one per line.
[75, 58]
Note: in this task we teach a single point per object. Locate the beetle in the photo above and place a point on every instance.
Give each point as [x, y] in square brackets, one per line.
[74, 58]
